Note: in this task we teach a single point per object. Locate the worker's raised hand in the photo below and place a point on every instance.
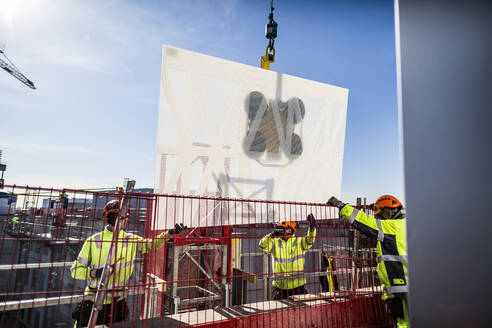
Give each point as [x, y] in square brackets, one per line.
[177, 229]
[312, 222]
[335, 202]
[278, 231]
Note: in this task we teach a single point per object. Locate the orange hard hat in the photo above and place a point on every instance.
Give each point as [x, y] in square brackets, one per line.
[289, 224]
[111, 207]
[386, 201]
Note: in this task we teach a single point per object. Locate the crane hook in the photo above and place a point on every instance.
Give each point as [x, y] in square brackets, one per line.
[270, 34]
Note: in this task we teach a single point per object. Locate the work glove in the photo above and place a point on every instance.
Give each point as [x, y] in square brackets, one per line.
[177, 229]
[278, 231]
[312, 222]
[97, 273]
[335, 202]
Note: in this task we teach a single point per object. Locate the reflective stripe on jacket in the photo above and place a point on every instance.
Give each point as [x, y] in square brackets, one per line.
[288, 257]
[391, 247]
[95, 250]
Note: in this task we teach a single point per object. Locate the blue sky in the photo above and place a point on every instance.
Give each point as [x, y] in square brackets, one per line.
[96, 64]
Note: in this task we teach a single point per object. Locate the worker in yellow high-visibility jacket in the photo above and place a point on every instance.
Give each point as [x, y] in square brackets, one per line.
[14, 223]
[287, 252]
[388, 226]
[90, 263]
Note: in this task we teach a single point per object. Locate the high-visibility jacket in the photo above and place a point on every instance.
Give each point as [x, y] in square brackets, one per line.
[288, 257]
[95, 250]
[391, 247]
[15, 219]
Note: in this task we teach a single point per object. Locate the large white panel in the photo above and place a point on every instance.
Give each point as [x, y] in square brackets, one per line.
[232, 130]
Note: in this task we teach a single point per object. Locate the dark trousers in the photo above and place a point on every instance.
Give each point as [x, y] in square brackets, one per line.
[325, 286]
[396, 308]
[83, 310]
[282, 294]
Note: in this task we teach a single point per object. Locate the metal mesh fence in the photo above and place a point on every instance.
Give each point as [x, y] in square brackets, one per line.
[211, 274]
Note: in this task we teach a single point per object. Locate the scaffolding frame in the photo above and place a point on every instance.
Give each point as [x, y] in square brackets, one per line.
[181, 248]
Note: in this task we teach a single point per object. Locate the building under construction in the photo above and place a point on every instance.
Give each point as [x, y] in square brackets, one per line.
[209, 179]
[247, 134]
[205, 276]
[213, 273]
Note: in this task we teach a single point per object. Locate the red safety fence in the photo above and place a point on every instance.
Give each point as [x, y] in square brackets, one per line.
[212, 274]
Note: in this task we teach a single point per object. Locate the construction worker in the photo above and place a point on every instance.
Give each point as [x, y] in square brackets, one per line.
[287, 252]
[329, 283]
[91, 260]
[15, 221]
[389, 228]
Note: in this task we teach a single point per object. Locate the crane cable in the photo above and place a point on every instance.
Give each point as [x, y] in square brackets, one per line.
[270, 34]
[271, 29]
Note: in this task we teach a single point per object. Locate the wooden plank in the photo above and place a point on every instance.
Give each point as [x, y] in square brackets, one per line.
[311, 297]
[339, 294]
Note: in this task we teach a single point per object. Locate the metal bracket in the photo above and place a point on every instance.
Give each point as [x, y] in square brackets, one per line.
[226, 288]
[175, 304]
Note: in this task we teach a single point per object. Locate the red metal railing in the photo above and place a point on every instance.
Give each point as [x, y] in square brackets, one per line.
[215, 274]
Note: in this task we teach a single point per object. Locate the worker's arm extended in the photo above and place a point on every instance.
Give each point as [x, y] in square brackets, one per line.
[308, 241]
[80, 268]
[361, 221]
[146, 245]
[266, 243]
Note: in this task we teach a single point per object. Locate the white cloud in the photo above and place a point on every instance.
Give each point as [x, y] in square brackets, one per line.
[70, 33]
[97, 35]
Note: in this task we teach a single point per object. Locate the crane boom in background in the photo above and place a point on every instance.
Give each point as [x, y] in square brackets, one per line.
[14, 71]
